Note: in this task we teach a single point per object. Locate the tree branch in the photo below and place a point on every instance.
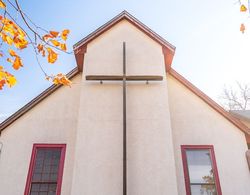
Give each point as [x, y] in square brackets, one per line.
[35, 33]
[236, 99]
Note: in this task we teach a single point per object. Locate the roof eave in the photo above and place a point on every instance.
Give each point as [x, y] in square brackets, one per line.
[117, 19]
[80, 47]
[34, 102]
[209, 101]
[239, 116]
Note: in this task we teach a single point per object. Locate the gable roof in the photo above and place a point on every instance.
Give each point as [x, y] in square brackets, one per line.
[168, 51]
[34, 102]
[209, 101]
[241, 114]
[80, 48]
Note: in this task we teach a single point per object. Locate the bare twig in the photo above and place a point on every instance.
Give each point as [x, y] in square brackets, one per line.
[38, 35]
[33, 23]
[21, 36]
[31, 43]
[236, 99]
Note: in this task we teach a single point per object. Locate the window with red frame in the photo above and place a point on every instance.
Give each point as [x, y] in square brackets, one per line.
[200, 171]
[46, 169]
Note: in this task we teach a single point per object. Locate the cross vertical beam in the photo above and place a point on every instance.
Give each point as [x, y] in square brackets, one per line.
[124, 78]
[124, 123]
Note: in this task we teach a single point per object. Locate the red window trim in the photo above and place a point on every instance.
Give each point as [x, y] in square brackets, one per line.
[31, 166]
[185, 166]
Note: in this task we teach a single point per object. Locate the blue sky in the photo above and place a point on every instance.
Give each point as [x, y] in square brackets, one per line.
[210, 50]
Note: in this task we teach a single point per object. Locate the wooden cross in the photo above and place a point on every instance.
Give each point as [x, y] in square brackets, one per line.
[124, 78]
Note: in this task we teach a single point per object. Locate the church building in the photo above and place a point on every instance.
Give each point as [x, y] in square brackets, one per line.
[129, 125]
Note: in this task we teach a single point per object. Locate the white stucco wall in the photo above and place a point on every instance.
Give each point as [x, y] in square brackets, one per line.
[196, 123]
[51, 121]
[151, 167]
[161, 117]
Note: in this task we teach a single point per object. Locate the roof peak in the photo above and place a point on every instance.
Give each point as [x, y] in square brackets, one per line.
[123, 15]
[80, 47]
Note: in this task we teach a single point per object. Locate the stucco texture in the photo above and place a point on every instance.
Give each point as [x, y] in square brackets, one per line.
[150, 159]
[51, 121]
[196, 123]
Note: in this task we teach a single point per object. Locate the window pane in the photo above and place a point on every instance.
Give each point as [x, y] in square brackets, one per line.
[43, 193]
[38, 168]
[40, 154]
[203, 190]
[52, 189]
[36, 177]
[199, 166]
[43, 176]
[35, 187]
[34, 193]
[54, 169]
[46, 164]
[44, 188]
[53, 177]
[45, 171]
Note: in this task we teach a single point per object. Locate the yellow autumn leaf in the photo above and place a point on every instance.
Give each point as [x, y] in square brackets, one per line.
[65, 81]
[7, 39]
[12, 53]
[11, 81]
[2, 83]
[55, 43]
[17, 63]
[40, 47]
[243, 8]
[64, 34]
[21, 33]
[47, 36]
[52, 56]
[2, 4]
[20, 43]
[54, 33]
[61, 79]
[6, 78]
[63, 46]
[56, 81]
[9, 29]
[2, 73]
[9, 60]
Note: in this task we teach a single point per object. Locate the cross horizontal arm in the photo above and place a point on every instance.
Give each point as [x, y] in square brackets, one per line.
[144, 78]
[120, 77]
